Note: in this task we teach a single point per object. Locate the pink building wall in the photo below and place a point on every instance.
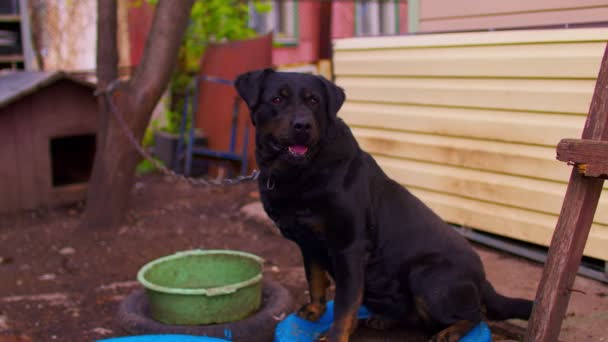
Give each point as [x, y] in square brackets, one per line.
[472, 15]
[307, 48]
[343, 19]
[403, 17]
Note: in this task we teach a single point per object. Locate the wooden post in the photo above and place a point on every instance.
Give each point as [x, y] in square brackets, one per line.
[574, 221]
[325, 15]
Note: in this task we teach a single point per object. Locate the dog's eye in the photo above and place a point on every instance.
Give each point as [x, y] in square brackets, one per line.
[313, 100]
[277, 100]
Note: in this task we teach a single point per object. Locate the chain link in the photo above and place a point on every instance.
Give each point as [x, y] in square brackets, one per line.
[107, 94]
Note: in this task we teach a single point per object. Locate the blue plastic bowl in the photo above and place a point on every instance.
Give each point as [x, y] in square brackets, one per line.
[164, 338]
[296, 329]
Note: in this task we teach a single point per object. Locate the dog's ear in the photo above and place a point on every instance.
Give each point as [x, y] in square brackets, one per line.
[334, 97]
[249, 86]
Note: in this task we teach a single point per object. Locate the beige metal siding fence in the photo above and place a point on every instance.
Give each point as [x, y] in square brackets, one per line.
[469, 121]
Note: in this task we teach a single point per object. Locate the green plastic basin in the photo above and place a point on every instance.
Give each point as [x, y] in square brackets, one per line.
[203, 286]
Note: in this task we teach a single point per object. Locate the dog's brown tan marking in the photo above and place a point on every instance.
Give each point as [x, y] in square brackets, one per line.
[343, 328]
[318, 282]
[422, 311]
[346, 321]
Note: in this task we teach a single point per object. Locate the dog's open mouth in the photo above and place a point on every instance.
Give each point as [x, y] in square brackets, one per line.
[297, 150]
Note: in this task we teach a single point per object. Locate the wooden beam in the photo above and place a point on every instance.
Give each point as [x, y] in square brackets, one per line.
[590, 157]
[572, 228]
[579, 151]
[325, 16]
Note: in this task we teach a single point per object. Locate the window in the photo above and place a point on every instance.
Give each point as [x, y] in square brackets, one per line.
[376, 17]
[281, 19]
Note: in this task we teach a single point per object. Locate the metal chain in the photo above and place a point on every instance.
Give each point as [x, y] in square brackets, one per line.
[107, 94]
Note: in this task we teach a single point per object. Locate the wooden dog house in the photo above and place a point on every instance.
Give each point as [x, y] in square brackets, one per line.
[48, 125]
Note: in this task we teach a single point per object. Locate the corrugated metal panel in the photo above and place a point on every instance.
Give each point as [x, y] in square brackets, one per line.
[470, 122]
[478, 123]
[511, 222]
[558, 96]
[473, 39]
[499, 157]
[441, 15]
[527, 60]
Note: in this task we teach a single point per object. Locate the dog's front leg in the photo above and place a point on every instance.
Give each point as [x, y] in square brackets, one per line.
[318, 283]
[349, 266]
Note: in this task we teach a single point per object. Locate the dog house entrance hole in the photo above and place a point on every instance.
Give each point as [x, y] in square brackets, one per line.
[72, 159]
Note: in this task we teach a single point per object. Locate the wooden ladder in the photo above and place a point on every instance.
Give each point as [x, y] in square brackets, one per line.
[589, 156]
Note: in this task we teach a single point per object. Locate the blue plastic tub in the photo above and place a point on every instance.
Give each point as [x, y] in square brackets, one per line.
[164, 338]
[296, 329]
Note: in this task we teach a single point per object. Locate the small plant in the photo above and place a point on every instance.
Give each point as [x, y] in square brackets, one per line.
[145, 167]
[148, 139]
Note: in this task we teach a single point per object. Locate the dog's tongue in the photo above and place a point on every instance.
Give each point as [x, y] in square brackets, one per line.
[298, 149]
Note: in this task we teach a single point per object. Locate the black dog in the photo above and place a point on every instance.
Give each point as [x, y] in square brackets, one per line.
[381, 245]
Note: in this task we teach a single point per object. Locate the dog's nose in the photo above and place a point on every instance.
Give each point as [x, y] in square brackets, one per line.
[302, 125]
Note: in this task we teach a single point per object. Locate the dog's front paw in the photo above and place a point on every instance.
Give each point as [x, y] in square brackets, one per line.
[312, 311]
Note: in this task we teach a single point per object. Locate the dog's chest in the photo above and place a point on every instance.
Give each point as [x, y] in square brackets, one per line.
[297, 221]
[302, 225]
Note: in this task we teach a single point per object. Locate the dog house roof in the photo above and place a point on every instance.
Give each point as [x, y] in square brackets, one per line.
[17, 84]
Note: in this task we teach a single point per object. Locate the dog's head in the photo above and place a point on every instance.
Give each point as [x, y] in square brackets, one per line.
[293, 113]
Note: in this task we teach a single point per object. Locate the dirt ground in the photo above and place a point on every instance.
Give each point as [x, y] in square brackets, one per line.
[59, 281]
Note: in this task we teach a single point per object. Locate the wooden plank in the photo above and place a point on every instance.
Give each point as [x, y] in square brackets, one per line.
[568, 243]
[520, 224]
[11, 58]
[9, 172]
[9, 18]
[524, 193]
[559, 96]
[580, 151]
[513, 159]
[473, 38]
[572, 60]
[572, 229]
[516, 20]
[506, 126]
[436, 9]
[26, 129]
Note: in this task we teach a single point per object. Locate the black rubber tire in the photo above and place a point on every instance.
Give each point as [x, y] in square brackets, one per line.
[133, 316]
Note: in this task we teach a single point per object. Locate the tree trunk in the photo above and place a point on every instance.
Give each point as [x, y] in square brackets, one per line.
[116, 158]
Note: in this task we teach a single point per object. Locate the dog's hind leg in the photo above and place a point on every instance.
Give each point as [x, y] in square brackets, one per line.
[454, 308]
[378, 322]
